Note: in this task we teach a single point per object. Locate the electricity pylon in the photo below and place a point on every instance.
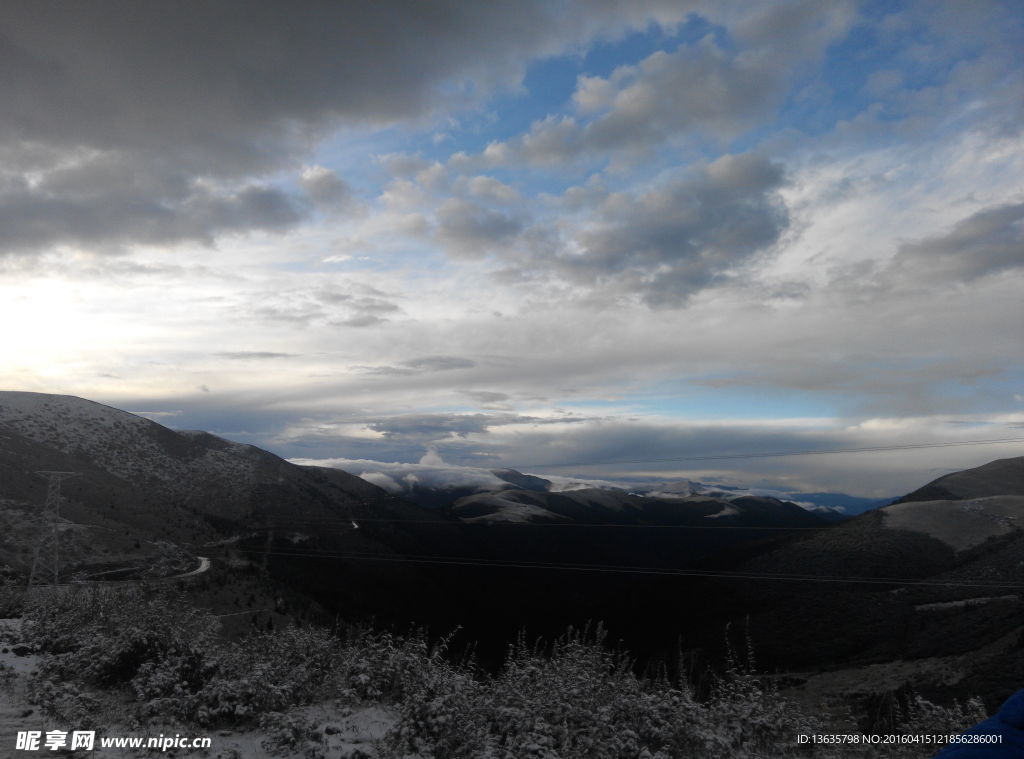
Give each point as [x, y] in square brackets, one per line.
[50, 524]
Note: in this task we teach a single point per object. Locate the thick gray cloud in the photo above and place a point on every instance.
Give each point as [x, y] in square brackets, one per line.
[624, 445]
[101, 211]
[487, 396]
[676, 239]
[146, 122]
[987, 242]
[471, 230]
[329, 191]
[709, 89]
[226, 84]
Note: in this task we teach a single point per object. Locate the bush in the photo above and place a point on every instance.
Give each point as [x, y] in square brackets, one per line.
[746, 716]
[103, 637]
[382, 666]
[918, 716]
[575, 699]
[270, 672]
[12, 599]
[442, 713]
[64, 701]
[291, 735]
[581, 700]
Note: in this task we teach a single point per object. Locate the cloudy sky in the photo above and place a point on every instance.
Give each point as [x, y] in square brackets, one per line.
[598, 238]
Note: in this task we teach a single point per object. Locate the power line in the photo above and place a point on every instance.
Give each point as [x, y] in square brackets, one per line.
[773, 454]
[659, 571]
[571, 525]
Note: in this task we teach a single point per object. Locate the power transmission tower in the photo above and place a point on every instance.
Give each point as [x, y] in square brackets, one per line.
[50, 532]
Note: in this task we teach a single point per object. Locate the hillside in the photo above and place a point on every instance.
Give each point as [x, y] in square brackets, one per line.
[608, 506]
[925, 593]
[1001, 477]
[143, 491]
[147, 501]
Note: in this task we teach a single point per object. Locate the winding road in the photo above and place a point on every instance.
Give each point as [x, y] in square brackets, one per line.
[204, 565]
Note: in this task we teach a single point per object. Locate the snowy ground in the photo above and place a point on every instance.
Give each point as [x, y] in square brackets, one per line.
[334, 731]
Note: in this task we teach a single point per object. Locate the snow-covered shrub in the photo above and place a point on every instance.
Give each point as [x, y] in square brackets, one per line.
[103, 637]
[12, 599]
[166, 687]
[919, 716]
[291, 735]
[97, 639]
[442, 710]
[577, 700]
[382, 666]
[745, 716]
[237, 682]
[580, 700]
[55, 623]
[63, 701]
[7, 676]
[266, 673]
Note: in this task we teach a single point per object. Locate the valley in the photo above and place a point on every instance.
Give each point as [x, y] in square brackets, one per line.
[920, 596]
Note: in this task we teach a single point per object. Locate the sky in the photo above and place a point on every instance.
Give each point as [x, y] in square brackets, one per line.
[594, 238]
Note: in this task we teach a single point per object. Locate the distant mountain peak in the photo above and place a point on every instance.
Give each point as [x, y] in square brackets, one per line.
[522, 481]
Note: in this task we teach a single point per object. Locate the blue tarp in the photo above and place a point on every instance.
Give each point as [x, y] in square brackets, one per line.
[1007, 724]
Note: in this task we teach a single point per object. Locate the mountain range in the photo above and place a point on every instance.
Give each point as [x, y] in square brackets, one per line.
[922, 592]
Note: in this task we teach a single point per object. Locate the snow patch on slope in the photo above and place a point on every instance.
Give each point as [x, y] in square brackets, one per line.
[727, 511]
